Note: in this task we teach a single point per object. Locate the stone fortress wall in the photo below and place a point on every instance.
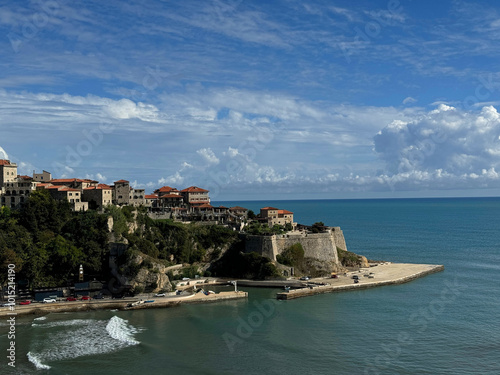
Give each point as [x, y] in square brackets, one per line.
[320, 246]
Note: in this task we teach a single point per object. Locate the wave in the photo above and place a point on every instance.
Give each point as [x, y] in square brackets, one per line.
[41, 318]
[81, 337]
[39, 365]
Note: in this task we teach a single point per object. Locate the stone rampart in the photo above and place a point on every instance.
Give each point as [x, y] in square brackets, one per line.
[318, 246]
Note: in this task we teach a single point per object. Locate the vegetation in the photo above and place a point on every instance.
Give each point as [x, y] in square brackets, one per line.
[292, 256]
[264, 230]
[47, 242]
[347, 258]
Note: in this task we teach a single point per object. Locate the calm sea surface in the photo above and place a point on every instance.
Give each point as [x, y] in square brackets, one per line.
[446, 323]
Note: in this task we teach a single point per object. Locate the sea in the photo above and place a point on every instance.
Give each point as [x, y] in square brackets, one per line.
[444, 323]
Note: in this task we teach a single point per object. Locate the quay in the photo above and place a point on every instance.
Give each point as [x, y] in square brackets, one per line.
[119, 304]
[380, 275]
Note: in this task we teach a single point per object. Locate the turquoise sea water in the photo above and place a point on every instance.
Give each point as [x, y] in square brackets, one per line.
[445, 323]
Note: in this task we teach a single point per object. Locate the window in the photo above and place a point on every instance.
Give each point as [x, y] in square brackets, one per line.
[70, 194]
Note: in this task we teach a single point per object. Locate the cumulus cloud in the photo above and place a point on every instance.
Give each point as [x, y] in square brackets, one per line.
[444, 145]
[208, 155]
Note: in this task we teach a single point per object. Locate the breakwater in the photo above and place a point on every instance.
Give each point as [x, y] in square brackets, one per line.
[382, 275]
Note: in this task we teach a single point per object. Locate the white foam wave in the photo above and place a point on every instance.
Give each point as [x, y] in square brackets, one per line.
[118, 329]
[81, 337]
[39, 365]
[41, 318]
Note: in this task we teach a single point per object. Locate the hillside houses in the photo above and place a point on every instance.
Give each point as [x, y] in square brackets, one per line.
[189, 204]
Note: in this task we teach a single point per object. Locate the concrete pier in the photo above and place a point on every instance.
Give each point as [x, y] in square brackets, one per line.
[383, 274]
[121, 304]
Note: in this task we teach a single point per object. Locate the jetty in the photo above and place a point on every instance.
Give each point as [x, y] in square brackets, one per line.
[119, 304]
[379, 275]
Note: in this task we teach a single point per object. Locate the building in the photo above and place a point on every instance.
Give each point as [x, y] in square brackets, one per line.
[8, 171]
[137, 197]
[42, 177]
[274, 216]
[98, 196]
[73, 196]
[121, 192]
[195, 196]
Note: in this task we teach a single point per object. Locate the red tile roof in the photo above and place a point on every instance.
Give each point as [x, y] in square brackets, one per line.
[171, 196]
[194, 189]
[104, 186]
[238, 208]
[4, 162]
[151, 196]
[121, 182]
[66, 180]
[25, 177]
[268, 208]
[284, 212]
[166, 189]
[206, 205]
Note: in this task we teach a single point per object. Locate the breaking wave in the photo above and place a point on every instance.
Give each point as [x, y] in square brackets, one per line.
[80, 337]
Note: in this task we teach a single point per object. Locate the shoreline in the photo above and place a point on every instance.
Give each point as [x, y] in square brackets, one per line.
[122, 304]
[383, 274]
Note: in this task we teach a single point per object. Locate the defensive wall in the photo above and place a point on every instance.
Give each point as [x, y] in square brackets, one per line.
[320, 246]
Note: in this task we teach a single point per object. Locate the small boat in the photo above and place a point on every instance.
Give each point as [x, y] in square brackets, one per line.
[286, 288]
[149, 301]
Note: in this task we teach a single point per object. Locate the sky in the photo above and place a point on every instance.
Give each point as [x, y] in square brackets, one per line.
[279, 99]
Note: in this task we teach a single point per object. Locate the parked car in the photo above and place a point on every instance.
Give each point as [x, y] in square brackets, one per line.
[24, 302]
[49, 300]
[160, 295]
[98, 296]
[8, 304]
[86, 298]
[355, 277]
[71, 299]
[304, 278]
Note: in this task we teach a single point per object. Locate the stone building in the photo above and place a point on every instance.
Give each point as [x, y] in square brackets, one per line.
[273, 216]
[98, 196]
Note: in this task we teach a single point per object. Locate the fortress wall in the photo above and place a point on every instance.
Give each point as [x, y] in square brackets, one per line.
[339, 238]
[263, 245]
[320, 246]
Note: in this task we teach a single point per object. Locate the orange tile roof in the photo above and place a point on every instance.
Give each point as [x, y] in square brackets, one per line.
[284, 212]
[151, 196]
[268, 208]
[104, 186]
[194, 189]
[171, 196]
[206, 205]
[121, 182]
[166, 189]
[4, 162]
[238, 208]
[25, 177]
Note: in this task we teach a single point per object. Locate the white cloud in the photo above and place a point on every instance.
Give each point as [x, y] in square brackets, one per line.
[208, 155]
[443, 145]
[409, 100]
[3, 154]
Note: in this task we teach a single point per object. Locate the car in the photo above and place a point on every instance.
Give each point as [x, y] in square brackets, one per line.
[355, 277]
[98, 296]
[86, 298]
[71, 299]
[24, 302]
[49, 300]
[160, 295]
[304, 278]
[356, 281]
[8, 304]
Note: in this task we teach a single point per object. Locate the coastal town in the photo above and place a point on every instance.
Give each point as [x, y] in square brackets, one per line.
[320, 244]
[186, 205]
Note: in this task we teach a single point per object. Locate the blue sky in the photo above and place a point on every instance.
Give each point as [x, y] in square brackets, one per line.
[254, 99]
